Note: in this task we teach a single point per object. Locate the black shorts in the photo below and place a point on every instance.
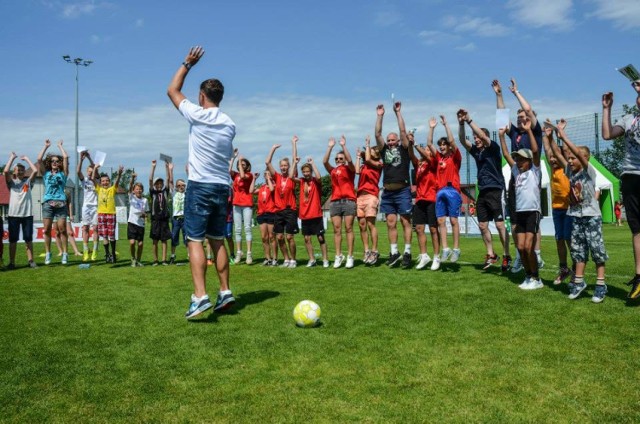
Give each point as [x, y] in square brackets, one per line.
[490, 205]
[629, 184]
[313, 227]
[160, 230]
[135, 232]
[15, 224]
[527, 222]
[266, 218]
[424, 213]
[286, 221]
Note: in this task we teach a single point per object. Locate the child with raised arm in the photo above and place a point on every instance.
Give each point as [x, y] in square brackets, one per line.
[20, 213]
[424, 210]
[448, 199]
[89, 217]
[138, 207]
[369, 168]
[311, 211]
[525, 169]
[177, 224]
[286, 218]
[159, 195]
[54, 169]
[107, 213]
[243, 186]
[343, 199]
[586, 234]
[266, 217]
[560, 187]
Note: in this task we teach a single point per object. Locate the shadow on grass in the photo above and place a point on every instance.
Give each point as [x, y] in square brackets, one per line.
[242, 301]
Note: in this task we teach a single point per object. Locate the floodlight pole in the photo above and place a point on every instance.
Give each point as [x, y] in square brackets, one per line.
[78, 61]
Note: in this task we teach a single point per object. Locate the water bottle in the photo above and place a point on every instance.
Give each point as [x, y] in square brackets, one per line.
[84, 266]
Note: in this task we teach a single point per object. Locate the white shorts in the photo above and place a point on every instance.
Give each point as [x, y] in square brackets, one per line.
[89, 215]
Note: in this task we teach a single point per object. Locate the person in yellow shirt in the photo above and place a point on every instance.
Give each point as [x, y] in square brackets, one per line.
[107, 214]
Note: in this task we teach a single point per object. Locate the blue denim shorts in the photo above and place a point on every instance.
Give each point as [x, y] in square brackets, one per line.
[396, 202]
[562, 224]
[54, 209]
[205, 210]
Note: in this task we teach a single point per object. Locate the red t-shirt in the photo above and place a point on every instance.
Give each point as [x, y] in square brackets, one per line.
[284, 195]
[449, 170]
[241, 194]
[426, 181]
[266, 204]
[342, 183]
[369, 180]
[310, 192]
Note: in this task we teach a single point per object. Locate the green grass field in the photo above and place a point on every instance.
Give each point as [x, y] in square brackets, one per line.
[110, 344]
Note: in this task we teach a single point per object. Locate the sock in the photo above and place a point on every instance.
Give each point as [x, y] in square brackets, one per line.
[106, 249]
[600, 282]
[578, 280]
[224, 292]
[407, 248]
[95, 246]
[517, 255]
[394, 248]
[537, 254]
[85, 247]
[113, 247]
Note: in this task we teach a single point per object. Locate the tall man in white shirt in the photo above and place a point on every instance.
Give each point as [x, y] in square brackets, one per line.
[211, 134]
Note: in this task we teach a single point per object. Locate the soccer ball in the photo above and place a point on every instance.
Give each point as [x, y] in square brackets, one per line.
[306, 314]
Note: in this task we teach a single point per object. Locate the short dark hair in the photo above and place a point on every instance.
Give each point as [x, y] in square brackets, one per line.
[486, 132]
[213, 90]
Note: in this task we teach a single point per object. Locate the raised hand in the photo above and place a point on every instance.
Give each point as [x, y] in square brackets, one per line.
[235, 152]
[548, 131]
[343, 141]
[12, 156]
[134, 176]
[561, 125]
[170, 165]
[309, 159]
[332, 142]
[514, 86]
[367, 141]
[294, 139]
[276, 146]
[194, 55]
[443, 120]
[380, 110]
[607, 100]
[433, 122]
[397, 106]
[154, 162]
[24, 158]
[60, 142]
[462, 116]
[296, 159]
[503, 131]
[120, 169]
[526, 124]
[495, 84]
[47, 143]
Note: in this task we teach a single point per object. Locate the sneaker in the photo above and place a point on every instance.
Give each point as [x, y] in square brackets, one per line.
[490, 260]
[85, 256]
[311, 263]
[32, 265]
[599, 294]
[367, 257]
[232, 260]
[634, 293]
[266, 262]
[506, 263]
[172, 259]
[198, 306]
[47, 258]
[575, 289]
[540, 262]
[292, 263]
[107, 259]
[94, 255]
[284, 264]
[326, 263]
[238, 258]
[393, 259]
[274, 262]
[455, 255]
[445, 254]
[249, 259]
[11, 266]
[562, 275]
[349, 263]
[406, 260]
[139, 264]
[525, 283]
[224, 302]
[209, 262]
[534, 284]
[374, 258]
[435, 265]
[164, 263]
[155, 263]
[423, 260]
[517, 266]
[338, 261]
[133, 263]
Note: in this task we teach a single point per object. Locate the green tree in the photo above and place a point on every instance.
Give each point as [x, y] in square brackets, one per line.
[613, 156]
[125, 179]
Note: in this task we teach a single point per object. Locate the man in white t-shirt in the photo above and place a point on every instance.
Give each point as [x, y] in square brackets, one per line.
[211, 134]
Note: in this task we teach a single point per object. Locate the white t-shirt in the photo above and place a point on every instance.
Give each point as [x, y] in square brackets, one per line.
[20, 203]
[178, 203]
[631, 161]
[138, 206]
[90, 196]
[211, 134]
[527, 188]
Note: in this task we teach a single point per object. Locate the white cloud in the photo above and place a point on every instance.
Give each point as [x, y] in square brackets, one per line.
[72, 10]
[431, 37]
[480, 26]
[469, 47]
[555, 14]
[625, 14]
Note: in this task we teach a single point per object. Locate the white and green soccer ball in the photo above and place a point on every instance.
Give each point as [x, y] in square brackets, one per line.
[306, 314]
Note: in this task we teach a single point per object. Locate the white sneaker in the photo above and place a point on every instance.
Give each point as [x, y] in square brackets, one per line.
[525, 283]
[455, 256]
[311, 263]
[445, 254]
[517, 266]
[285, 264]
[133, 263]
[47, 258]
[349, 264]
[292, 263]
[238, 257]
[423, 260]
[338, 261]
[540, 262]
[436, 263]
[65, 258]
[249, 259]
[326, 264]
[534, 285]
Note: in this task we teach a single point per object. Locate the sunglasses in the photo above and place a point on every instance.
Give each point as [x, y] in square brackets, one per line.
[339, 159]
[55, 161]
[443, 143]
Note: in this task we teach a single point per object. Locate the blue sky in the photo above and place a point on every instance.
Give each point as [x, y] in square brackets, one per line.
[315, 69]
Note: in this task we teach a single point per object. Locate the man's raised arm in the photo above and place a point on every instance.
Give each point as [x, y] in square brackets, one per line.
[175, 87]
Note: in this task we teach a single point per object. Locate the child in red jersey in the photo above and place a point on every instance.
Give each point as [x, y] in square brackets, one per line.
[369, 168]
[243, 186]
[266, 218]
[310, 211]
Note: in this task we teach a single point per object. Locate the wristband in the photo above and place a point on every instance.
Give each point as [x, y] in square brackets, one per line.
[187, 65]
[469, 121]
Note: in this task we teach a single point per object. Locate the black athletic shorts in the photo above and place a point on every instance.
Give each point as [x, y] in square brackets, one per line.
[286, 222]
[424, 213]
[312, 227]
[490, 205]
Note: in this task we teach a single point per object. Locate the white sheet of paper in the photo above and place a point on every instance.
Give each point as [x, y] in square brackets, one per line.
[81, 149]
[502, 118]
[99, 157]
[166, 158]
[630, 72]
